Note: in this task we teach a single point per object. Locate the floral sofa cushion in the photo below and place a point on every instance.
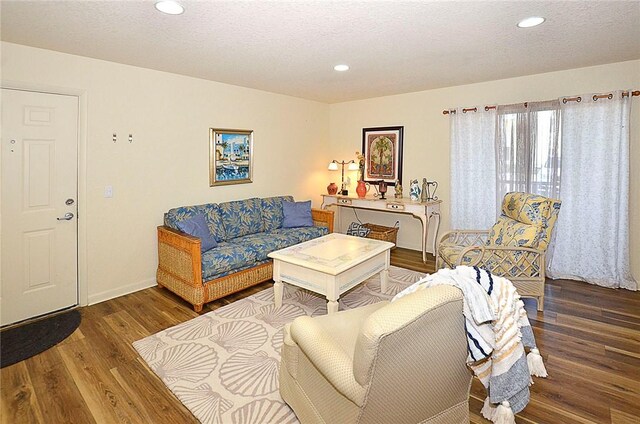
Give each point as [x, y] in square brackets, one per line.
[298, 235]
[272, 215]
[265, 243]
[226, 257]
[233, 271]
[262, 243]
[244, 252]
[241, 217]
[211, 214]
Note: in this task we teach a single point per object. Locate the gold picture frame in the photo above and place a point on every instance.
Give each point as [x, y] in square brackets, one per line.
[230, 156]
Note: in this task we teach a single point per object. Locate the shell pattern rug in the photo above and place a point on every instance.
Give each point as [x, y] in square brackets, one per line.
[223, 366]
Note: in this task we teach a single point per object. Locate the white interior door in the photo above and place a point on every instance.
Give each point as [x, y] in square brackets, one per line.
[39, 204]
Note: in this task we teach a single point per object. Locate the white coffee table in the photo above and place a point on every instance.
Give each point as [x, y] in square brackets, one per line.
[330, 265]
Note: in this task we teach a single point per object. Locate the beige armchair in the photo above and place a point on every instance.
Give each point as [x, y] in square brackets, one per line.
[399, 362]
[515, 248]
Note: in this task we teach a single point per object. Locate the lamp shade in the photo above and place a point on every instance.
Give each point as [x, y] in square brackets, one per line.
[353, 166]
[333, 166]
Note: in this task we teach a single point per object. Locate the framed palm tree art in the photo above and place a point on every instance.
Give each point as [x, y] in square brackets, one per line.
[382, 149]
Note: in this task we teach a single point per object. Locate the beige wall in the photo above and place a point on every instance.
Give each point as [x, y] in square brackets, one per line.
[167, 163]
[426, 136]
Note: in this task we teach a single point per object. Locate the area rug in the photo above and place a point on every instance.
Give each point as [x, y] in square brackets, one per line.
[25, 341]
[223, 366]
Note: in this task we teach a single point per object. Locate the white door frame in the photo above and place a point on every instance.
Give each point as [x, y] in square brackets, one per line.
[83, 284]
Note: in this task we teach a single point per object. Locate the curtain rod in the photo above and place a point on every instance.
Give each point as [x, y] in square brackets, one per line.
[564, 100]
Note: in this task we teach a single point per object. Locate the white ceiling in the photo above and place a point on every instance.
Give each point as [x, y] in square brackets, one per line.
[290, 47]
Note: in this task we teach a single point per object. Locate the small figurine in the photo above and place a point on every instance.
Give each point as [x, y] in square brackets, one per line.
[398, 193]
[414, 190]
[360, 157]
[424, 196]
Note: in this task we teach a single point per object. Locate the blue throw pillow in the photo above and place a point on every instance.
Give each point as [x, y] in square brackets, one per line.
[296, 214]
[197, 226]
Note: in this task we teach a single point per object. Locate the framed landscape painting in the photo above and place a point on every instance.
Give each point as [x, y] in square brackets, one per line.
[230, 156]
[382, 149]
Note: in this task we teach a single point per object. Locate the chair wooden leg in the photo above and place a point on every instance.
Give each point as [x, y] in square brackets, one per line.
[197, 308]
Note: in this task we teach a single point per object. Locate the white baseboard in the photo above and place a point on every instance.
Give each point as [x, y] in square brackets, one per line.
[121, 291]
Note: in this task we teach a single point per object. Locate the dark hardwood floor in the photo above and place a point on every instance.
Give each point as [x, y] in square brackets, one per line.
[589, 337]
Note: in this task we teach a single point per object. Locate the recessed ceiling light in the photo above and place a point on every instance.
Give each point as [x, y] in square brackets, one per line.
[341, 68]
[531, 22]
[170, 7]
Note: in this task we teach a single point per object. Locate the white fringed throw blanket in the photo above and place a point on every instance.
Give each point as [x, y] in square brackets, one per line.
[498, 331]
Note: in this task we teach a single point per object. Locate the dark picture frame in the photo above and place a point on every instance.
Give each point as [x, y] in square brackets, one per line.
[230, 156]
[382, 150]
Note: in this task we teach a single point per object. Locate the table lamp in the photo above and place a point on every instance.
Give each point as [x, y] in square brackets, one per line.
[353, 166]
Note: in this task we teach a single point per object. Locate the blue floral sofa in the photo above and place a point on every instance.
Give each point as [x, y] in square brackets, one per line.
[246, 231]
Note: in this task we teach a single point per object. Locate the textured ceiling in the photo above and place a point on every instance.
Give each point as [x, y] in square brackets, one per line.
[290, 47]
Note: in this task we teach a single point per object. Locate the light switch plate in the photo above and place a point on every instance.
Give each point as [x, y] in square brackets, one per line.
[108, 191]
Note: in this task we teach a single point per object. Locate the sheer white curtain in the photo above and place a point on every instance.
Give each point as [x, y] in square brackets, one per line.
[473, 171]
[592, 234]
[528, 149]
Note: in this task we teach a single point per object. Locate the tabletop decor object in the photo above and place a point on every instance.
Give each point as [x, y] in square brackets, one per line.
[432, 186]
[398, 193]
[360, 162]
[382, 188]
[353, 166]
[414, 190]
[425, 191]
[362, 189]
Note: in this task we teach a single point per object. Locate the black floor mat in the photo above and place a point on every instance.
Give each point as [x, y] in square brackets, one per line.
[23, 342]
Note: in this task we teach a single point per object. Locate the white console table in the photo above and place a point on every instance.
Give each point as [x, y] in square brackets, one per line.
[424, 211]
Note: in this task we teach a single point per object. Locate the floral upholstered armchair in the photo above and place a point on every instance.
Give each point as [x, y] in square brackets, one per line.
[514, 248]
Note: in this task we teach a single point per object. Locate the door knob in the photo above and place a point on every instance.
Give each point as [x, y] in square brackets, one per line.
[67, 217]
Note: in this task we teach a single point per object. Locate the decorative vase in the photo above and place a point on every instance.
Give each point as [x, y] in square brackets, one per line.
[414, 190]
[362, 189]
[332, 188]
[382, 188]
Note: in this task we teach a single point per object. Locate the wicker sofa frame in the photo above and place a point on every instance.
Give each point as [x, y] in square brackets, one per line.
[180, 266]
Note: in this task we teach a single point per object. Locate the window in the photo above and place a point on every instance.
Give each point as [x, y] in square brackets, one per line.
[528, 149]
